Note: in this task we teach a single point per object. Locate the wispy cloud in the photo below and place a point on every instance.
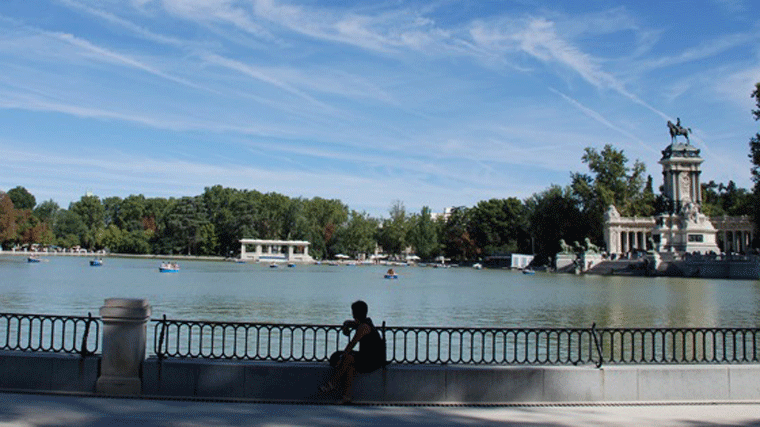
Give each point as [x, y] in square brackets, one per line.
[599, 118]
[103, 54]
[136, 29]
[709, 49]
[261, 75]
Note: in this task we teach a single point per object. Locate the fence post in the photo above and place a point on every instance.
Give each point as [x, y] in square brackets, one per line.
[597, 345]
[124, 340]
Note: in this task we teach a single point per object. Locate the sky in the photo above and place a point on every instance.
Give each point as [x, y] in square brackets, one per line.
[430, 103]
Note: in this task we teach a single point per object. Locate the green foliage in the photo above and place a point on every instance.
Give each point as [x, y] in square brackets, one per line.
[8, 221]
[458, 243]
[323, 219]
[92, 214]
[69, 229]
[21, 198]
[185, 228]
[719, 199]
[499, 226]
[612, 182]
[754, 155]
[358, 236]
[392, 236]
[423, 235]
[555, 214]
[47, 211]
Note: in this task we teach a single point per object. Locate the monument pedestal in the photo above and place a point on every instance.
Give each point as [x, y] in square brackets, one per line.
[589, 260]
[566, 262]
[124, 338]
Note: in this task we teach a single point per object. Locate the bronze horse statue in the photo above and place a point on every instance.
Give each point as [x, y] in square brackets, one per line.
[676, 129]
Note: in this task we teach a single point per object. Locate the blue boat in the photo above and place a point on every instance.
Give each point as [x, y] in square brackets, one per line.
[33, 258]
[96, 262]
[169, 267]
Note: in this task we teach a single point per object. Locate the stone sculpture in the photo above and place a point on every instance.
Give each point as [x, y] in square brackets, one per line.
[676, 129]
[590, 247]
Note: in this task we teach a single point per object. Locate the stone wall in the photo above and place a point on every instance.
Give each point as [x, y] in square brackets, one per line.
[294, 381]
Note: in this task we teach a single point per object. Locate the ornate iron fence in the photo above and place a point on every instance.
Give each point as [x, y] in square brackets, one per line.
[41, 332]
[423, 345]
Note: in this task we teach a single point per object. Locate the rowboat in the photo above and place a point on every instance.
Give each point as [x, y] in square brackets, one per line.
[169, 267]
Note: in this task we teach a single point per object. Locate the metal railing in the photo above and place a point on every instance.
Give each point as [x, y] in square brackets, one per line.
[423, 345]
[41, 332]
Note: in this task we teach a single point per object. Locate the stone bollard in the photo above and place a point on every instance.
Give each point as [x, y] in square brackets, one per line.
[124, 337]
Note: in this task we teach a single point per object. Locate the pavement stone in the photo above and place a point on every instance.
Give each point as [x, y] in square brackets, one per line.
[28, 409]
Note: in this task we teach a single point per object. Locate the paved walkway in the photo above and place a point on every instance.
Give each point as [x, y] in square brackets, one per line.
[25, 410]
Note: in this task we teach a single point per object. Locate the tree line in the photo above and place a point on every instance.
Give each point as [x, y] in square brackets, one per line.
[212, 223]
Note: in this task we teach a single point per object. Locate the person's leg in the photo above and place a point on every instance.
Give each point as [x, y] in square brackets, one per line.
[341, 371]
[350, 373]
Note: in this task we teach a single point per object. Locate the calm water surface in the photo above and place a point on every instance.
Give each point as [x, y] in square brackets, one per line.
[421, 296]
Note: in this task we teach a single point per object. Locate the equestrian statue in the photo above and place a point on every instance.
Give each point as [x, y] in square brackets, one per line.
[676, 129]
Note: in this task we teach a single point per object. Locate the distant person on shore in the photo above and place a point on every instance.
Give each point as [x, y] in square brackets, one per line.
[369, 357]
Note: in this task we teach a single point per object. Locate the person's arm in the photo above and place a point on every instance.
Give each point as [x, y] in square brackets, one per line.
[361, 331]
[348, 325]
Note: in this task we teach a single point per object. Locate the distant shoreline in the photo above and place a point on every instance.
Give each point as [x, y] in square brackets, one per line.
[115, 255]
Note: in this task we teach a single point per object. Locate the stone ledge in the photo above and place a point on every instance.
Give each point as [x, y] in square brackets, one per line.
[295, 381]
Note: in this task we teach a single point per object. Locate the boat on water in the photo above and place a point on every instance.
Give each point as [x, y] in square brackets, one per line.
[169, 267]
[528, 271]
[33, 258]
[390, 274]
[96, 262]
[477, 266]
[274, 265]
[291, 264]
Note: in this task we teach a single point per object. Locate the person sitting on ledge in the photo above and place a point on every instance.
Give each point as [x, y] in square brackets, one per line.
[371, 354]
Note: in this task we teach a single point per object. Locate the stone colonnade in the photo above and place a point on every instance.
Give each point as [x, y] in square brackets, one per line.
[627, 234]
[272, 250]
[631, 241]
[735, 233]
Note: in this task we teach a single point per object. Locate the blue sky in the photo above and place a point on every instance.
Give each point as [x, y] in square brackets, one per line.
[433, 103]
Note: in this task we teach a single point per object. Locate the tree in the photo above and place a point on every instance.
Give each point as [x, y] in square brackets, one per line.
[423, 235]
[92, 213]
[611, 183]
[22, 199]
[8, 222]
[185, 228]
[324, 219]
[458, 244]
[219, 203]
[754, 155]
[47, 211]
[69, 228]
[499, 226]
[555, 214]
[392, 236]
[358, 236]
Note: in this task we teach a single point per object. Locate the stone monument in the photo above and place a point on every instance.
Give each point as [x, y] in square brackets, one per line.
[686, 228]
[591, 256]
[567, 259]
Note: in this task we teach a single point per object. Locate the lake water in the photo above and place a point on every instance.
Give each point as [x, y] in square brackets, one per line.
[422, 296]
